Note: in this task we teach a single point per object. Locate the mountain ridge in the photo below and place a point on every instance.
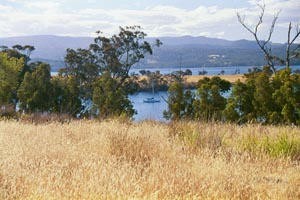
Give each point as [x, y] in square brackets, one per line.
[193, 51]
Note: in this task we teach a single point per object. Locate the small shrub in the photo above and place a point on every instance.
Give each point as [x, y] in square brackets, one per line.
[283, 145]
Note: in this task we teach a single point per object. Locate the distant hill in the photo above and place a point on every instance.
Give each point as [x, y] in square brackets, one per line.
[48, 46]
[187, 50]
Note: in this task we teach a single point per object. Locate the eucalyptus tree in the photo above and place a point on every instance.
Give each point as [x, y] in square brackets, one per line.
[108, 58]
[115, 57]
[35, 92]
[10, 70]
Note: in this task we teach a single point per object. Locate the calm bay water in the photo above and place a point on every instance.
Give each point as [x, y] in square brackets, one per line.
[149, 111]
[210, 70]
[153, 111]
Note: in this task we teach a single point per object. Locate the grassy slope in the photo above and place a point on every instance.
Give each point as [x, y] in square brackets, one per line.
[149, 160]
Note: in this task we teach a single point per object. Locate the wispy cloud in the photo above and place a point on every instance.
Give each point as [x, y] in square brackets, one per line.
[32, 17]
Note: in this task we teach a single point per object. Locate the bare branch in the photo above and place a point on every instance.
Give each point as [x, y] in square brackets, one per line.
[288, 46]
[242, 22]
[262, 7]
[272, 27]
[296, 35]
[263, 44]
[290, 43]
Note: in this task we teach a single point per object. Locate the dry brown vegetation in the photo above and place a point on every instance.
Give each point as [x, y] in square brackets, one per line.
[193, 79]
[122, 160]
[231, 78]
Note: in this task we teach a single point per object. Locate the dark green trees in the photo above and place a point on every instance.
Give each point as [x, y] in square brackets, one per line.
[265, 98]
[239, 106]
[35, 90]
[10, 71]
[65, 98]
[262, 98]
[39, 92]
[14, 63]
[102, 71]
[287, 96]
[180, 101]
[210, 102]
[116, 56]
[206, 104]
[110, 99]
[98, 75]
[82, 67]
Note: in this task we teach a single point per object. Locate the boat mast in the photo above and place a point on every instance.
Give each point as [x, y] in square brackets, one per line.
[152, 83]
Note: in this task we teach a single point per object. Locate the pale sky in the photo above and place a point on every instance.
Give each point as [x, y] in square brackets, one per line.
[212, 18]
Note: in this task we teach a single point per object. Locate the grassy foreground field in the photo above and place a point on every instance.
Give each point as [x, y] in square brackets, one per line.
[123, 160]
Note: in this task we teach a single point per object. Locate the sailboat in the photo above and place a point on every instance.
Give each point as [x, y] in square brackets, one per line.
[151, 99]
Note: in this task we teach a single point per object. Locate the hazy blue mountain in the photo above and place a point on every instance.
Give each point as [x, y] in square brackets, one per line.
[48, 46]
[186, 50]
[190, 40]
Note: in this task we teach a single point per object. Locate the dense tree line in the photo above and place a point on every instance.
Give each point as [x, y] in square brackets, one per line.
[97, 76]
[206, 103]
[263, 97]
[29, 87]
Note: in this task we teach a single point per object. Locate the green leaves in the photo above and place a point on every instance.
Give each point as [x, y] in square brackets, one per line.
[10, 70]
[120, 52]
[66, 96]
[35, 90]
[210, 103]
[102, 70]
[110, 99]
[266, 98]
[262, 98]
[206, 104]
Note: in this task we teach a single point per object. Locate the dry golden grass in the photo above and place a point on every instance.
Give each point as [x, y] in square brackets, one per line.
[231, 78]
[193, 79]
[123, 160]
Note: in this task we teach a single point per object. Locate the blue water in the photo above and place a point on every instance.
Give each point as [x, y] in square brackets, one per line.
[149, 111]
[153, 111]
